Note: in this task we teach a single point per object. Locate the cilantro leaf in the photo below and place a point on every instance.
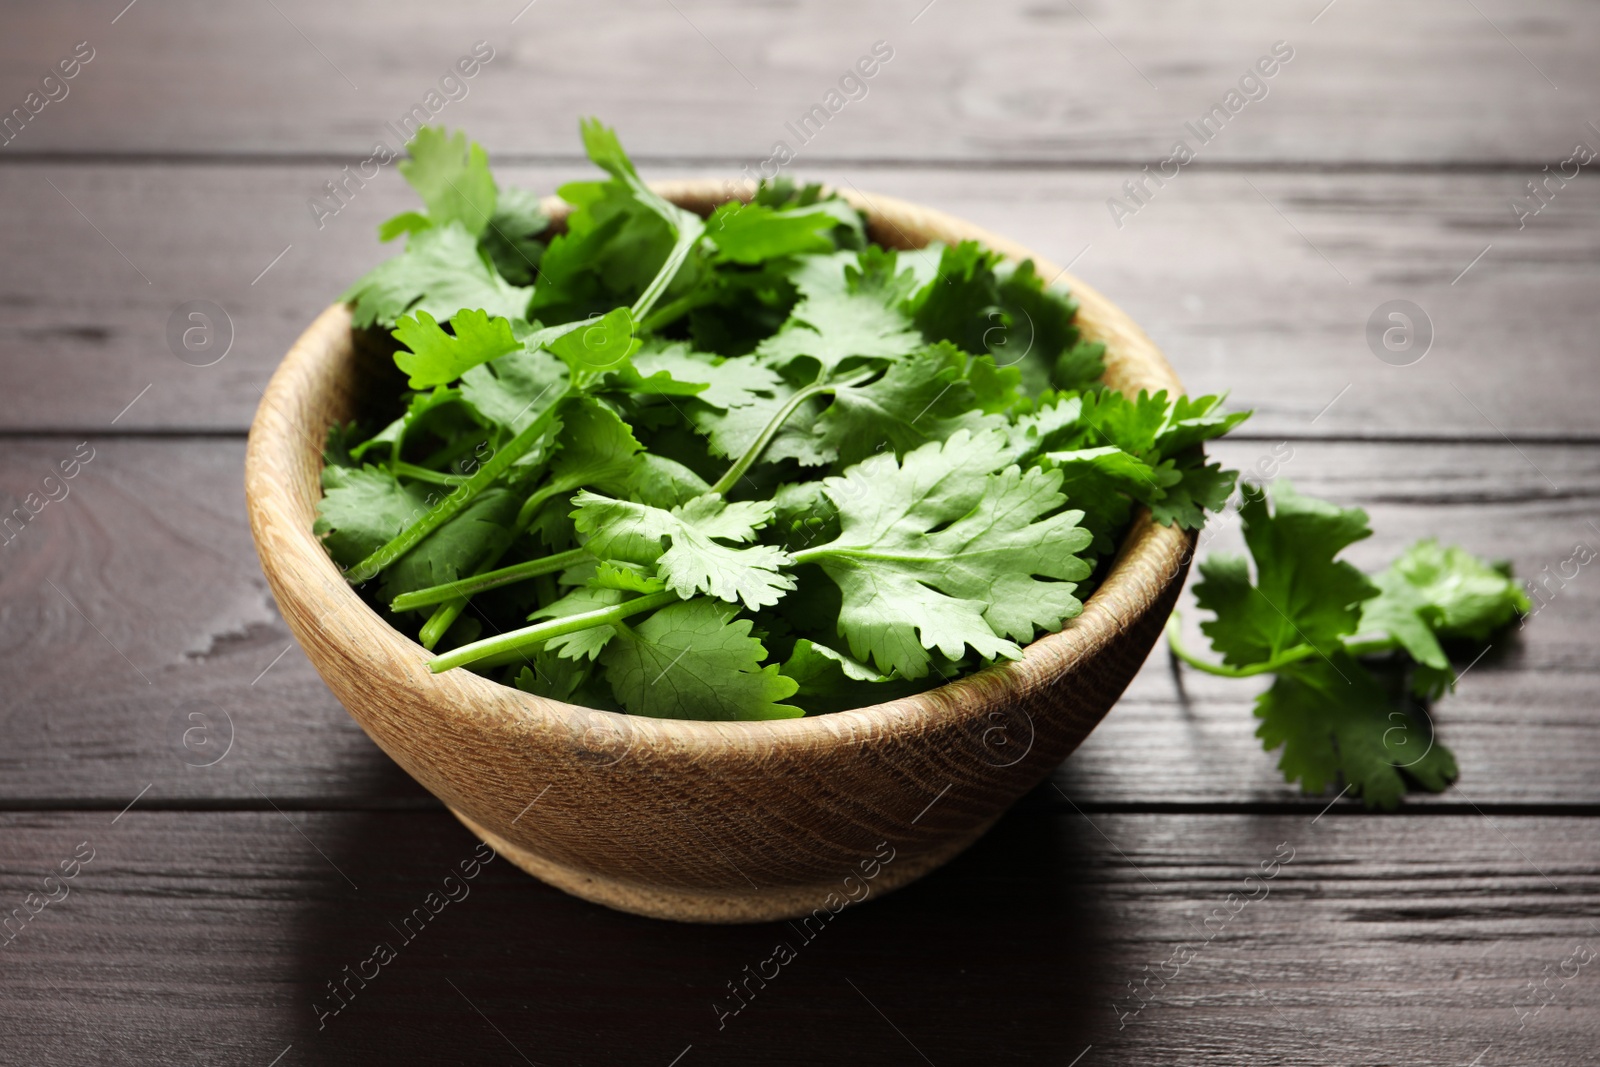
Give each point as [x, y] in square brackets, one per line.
[1038, 334]
[732, 431]
[603, 344]
[452, 176]
[983, 305]
[552, 677]
[1102, 483]
[1195, 487]
[833, 328]
[694, 660]
[1131, 424]
[516, 389]
[480, 530]
[684, 545]
[581, 644]
[728, 383]
[596, 446]
[512, 239]
[922, 398]
[440, 272]
[1451, 592]
[751, 233]
[933, 554]
[437, 358]
[1302, 595]
[1336, 722]
[1339, 713]
[619, 237]
[1189, 421]
[831, 681]
[663, 482]
[361, 509]
[425, 408]
[962, 303]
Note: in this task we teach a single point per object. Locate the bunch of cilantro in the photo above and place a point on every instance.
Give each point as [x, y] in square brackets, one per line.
[744, 466]
[1357, 658]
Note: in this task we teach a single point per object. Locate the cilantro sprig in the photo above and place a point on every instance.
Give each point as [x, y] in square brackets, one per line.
[748, 466]
[1356, 658]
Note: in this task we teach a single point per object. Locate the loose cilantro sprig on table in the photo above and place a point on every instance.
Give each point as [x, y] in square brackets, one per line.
[747, 466]
[1357, 658]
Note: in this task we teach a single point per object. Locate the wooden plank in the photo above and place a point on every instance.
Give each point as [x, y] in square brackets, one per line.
[212, 937]
[1002, 82]
[1260, 283]
[137, 601]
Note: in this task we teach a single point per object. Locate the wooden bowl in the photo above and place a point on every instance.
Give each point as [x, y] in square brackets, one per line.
[707, 821]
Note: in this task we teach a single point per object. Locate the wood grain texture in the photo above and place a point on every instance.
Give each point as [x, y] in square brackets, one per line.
[1264, 291]
[1383, 163]
[991, 83]
[212, 937]
[152, 546]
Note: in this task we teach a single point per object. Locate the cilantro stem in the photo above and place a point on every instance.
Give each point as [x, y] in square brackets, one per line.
[443, 617]
[768, 432]
[451, 505]
[1370, 647]
[690, 229]
[531, 505]
[452, 597]
[673, 310]
[423, 474]
[486, 580]
[516, 641]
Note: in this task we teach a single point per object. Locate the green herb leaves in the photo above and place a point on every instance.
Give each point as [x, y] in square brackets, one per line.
[685, 545]
[1317, 622]
[437, 357]
[942, 552]
[440, 272]
[452, 176]
[694, 660]
[744, 467]
[1302, 596]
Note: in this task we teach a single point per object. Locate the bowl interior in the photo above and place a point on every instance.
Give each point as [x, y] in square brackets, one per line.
[331, 369]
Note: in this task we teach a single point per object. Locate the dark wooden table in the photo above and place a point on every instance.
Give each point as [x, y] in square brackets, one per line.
[238, 868]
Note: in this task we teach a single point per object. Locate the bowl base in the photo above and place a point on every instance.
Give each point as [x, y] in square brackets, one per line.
[755, 905]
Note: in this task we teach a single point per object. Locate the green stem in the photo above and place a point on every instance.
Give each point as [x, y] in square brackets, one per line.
[451, 505]
[486, 580]
[443, 617]
[452, 597]
[519, 640]
[423, 474]
[673, 310]
[531, 505]
[690, 228]
[753, 453]
[1369, 647]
